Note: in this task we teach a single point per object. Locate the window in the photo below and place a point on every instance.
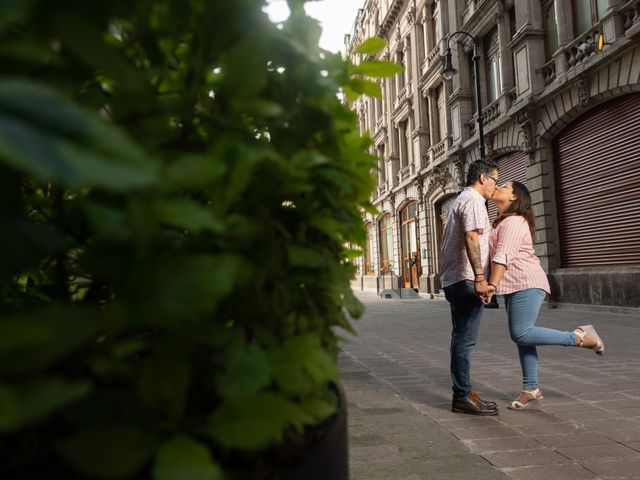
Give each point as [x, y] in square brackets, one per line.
[437, 27]
[492, 52]
[551, 28]
[368, 257]
[382, 174]
[442, 121]
[386, 244]
[586, 13]
[404, 145]
[512, 22]
[400, 61]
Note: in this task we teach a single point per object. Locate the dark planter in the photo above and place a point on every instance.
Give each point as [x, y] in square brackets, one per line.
[328, 458]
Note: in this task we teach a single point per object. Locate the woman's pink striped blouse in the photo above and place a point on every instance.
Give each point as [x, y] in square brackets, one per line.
[511, 245]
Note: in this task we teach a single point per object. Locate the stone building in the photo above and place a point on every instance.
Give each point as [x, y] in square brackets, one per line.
[561, 113]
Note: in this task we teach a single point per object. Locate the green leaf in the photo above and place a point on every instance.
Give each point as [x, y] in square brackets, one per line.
[327, 225]
[25, 244]
[186, 214]
[246, 372]
[301, 364]
[377, 69]
[371, 46]
[181, 289]
[317, 407]
[108, 222]
[34, 340]
[353, 305]
[109, 452]
[305, 257]
[164, 381]
[183, 458]
[13, 12]
[252, 422]
[365, 87]
[45, 134]
[350, 94]
[194, 171]
[30, 401]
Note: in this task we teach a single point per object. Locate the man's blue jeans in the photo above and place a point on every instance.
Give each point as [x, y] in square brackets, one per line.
[466, 312]
[522, 312]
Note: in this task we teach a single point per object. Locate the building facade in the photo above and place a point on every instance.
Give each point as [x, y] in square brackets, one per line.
[561, 114]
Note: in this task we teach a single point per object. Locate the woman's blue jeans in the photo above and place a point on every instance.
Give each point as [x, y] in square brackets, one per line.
[466, 312]
[522, 312]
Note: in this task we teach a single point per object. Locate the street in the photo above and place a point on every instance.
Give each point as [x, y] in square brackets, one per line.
[396, 377]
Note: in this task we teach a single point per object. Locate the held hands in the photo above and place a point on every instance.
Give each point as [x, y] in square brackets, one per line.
[483, 289]
[491, 291]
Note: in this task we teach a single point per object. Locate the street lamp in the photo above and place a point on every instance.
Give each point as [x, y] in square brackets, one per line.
[448, 71]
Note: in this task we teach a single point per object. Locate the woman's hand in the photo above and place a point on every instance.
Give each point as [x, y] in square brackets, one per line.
[487, 294]
[491, 291]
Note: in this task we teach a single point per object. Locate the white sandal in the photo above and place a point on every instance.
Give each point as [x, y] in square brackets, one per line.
[588, 330]
[518, 405]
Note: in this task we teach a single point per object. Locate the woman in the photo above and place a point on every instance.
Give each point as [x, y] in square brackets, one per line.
[516, 273]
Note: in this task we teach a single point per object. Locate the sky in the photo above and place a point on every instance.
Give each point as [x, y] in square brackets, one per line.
[335, 16]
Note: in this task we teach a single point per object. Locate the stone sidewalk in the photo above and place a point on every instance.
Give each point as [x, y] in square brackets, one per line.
[396, 376]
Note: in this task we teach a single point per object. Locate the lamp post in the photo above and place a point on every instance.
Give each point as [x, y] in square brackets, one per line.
[448, 71]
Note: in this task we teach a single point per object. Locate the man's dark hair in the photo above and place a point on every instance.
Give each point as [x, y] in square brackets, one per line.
[477, 168]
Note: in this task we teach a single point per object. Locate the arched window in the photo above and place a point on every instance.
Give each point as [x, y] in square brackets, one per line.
[410, 244]
[386, 244]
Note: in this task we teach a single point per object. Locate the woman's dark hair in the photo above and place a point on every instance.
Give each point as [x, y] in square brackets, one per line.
[520, 206]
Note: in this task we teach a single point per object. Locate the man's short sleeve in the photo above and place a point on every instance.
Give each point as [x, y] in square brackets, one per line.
[474, 216]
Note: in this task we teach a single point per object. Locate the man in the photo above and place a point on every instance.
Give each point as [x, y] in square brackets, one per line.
[465, 268]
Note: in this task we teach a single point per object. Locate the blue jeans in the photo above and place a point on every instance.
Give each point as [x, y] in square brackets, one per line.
[522, 312]
[466, 313]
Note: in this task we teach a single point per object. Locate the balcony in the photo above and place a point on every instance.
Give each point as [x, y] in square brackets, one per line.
[581, 49]
[548, 72]
[401, 97]
[434, 55]
[405, 173]
[383, 188]
[437, 151]
[630, 14]
[491, 112]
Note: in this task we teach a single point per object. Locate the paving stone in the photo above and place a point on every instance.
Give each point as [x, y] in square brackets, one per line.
[483, 433]
[573, 439]
[506, 444]
[624, 435]
[375, 453]
[519, 458]
[547, 428]
[591, 452]
[615, 468]
[551, 472]
[396, 374]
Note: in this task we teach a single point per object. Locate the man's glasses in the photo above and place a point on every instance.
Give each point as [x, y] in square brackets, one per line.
[495, 180]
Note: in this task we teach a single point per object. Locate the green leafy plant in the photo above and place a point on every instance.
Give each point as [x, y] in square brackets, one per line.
[178, 182]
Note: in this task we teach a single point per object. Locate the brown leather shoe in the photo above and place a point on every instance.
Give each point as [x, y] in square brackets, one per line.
[476, 398]
[467, 405]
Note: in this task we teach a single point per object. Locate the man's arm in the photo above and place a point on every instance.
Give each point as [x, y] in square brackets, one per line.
[472, 246]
